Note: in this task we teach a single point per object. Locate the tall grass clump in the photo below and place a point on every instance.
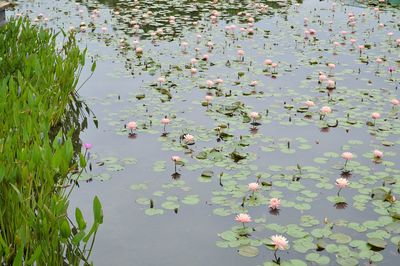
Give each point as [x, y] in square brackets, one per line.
[39, 110]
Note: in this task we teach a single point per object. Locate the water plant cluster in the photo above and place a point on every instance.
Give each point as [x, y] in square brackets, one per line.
[41, 118]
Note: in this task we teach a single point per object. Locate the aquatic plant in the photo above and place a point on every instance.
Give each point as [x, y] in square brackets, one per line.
[38, 92]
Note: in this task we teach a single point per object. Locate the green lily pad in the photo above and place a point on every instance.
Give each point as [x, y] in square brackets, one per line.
[377, 243]
[248, 251]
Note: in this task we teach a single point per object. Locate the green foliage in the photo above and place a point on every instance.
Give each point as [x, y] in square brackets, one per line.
[38, 82]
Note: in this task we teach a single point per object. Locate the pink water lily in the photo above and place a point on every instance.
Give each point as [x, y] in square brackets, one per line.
[139, 50]
[395, 102]
[325, 110]
[254, 116]
[347, 156]
[176, 159]
[280, 242]
[188, 139]
[341, 183]
[378, 154]
[274, 203]
[254, 187]
[165, 121]
[331, 84]
[375, 116]
[132, 126]
[243, 218]
[310, 104]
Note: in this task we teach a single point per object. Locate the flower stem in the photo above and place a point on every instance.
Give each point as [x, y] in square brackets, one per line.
[275, 254]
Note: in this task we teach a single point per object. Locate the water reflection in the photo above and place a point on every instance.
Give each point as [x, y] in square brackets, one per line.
[169, 19]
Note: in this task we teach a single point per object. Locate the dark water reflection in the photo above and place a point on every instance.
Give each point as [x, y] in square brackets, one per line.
[152, 15]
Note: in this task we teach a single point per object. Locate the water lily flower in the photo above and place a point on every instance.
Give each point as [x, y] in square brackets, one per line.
[132, 126]
[161, 80]
[193, 61]
[280, 242]
[274, 203]
[361, 48]
[243, 218]
[208, 98]
[306, 34]
[254, 187]
[176, 159]
[254, 116]
[274, 66]
[375, 116]
[188, 139]
[322, 77]
[240, 52]
[395, 102]
[347, 156]
[268, 62]
[341, 183]
[378, 154]
[326, 110]
[331, 84]
[139, 50]
[165, 121]
[310, 104]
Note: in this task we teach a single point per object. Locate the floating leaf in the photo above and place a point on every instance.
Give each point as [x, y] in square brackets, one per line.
[377, 243]
[248, 251]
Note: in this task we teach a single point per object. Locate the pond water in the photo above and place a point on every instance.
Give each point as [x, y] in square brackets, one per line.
[154, 216]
